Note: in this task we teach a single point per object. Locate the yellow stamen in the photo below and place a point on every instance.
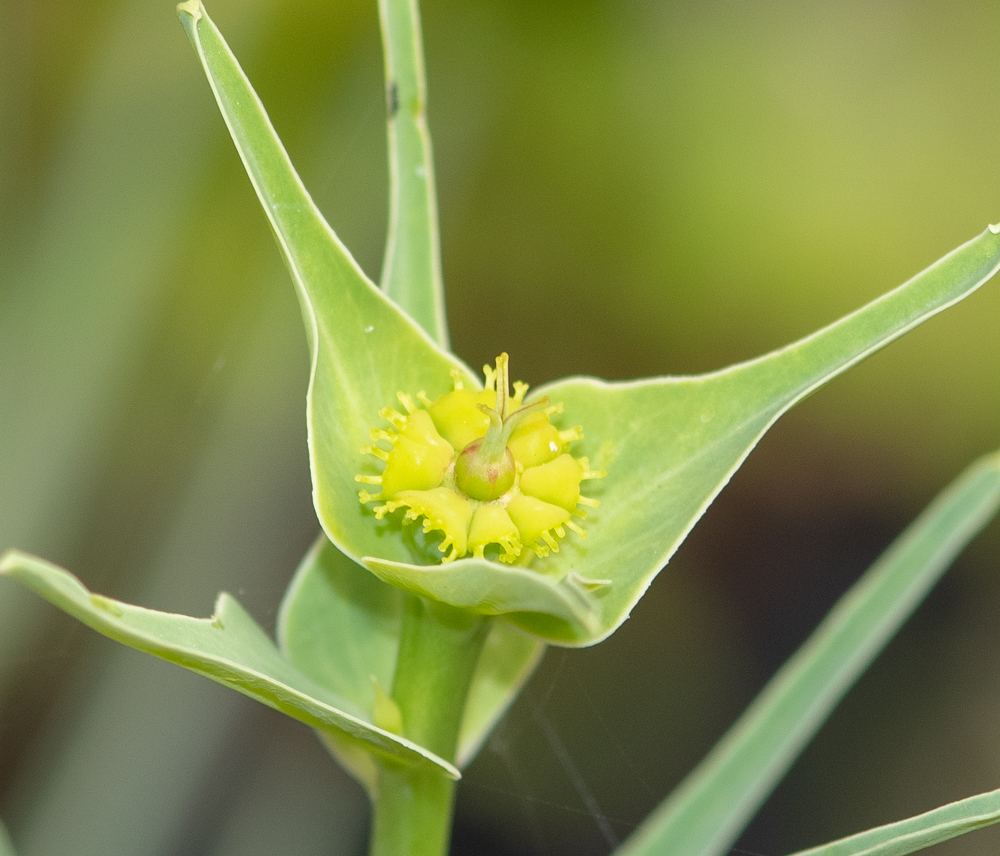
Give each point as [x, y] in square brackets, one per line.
[390, 414]
[429, 452]
[407, 401]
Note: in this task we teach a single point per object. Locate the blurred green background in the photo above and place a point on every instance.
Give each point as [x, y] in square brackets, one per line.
[626, 188]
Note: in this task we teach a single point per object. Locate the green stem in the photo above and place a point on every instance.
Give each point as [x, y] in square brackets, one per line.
[411, 270]
[438, 652]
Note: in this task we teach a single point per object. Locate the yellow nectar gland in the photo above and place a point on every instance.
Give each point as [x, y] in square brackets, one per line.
[480, 466]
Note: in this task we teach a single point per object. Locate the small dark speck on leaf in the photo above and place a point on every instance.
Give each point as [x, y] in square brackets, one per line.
[392, 95]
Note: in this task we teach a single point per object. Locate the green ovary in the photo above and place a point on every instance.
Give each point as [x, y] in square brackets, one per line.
[482, 428]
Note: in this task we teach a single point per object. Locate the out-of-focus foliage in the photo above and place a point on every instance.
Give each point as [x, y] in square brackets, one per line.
[677, 187]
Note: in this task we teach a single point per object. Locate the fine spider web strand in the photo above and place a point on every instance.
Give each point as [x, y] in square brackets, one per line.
[492, 789]
[593, 810]
[579, 785]
[612, 735]
[562, 755]
[499, 744]
[500, 747]
[338, 166]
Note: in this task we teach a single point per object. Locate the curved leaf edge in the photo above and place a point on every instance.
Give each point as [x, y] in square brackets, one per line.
[569, 608]
[192, 14]
[67, 592]
[917, 832]
[328, 587]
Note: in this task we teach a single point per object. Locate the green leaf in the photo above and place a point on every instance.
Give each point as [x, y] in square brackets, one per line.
[230, 648]
[363, 348]
[6, 845]
[545, 606]
[917, 833]
[668, 445]
[709, 809]
[340, 625]
[411, 272]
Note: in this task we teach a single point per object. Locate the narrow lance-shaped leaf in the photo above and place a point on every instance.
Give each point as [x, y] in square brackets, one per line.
[6, 845]
[411, 271]
[230, 648]
[668, 445]
[917, 833]
[709, 809]
[340, 625]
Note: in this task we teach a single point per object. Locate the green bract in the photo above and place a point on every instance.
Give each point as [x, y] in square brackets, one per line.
[339, 629]
[668, 444]
[229, 648]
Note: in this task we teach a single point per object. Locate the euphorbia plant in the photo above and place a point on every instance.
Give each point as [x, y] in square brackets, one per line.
[448, 617]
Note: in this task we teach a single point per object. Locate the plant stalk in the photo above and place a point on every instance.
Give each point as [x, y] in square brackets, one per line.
[411, 270]
[438, 652]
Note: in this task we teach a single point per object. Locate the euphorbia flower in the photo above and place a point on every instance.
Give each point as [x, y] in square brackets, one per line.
[667, 444]
[663, 447]
[482, 468]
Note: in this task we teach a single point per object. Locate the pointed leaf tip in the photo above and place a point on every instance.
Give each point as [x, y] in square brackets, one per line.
[191, 8]
[364, 349]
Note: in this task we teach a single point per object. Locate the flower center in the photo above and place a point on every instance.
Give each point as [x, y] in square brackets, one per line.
[492, 474]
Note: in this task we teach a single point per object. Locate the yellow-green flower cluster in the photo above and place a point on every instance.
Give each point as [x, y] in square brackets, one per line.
[492, 474]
